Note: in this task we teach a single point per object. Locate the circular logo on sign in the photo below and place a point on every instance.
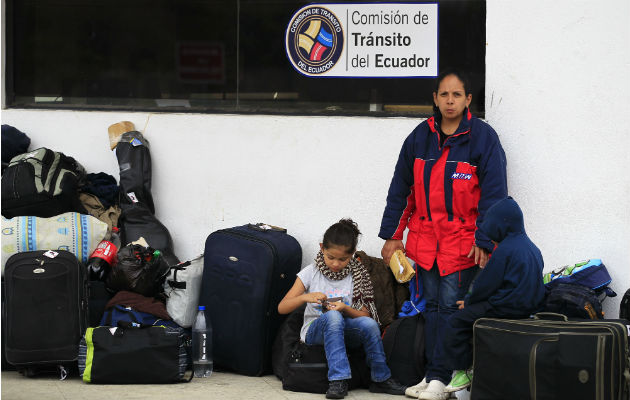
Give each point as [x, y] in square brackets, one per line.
[314, 40]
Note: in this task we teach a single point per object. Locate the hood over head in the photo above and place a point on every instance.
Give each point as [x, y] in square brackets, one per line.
[502, 219]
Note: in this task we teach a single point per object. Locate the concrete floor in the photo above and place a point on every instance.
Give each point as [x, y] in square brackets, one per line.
[220, 386]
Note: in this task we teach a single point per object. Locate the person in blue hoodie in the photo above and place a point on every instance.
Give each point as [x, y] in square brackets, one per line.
[510, 286]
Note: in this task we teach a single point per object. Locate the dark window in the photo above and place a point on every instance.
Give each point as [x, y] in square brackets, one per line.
[206, 56]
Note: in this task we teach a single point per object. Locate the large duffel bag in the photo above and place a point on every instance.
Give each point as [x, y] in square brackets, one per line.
[247, 271]
[42, 183]
[46, 309]
[148, 354]
[550, 359]
[77, 233]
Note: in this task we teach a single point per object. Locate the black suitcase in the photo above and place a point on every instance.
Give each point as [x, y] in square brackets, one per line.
[46, 309]
[546, 359]
[247, 271]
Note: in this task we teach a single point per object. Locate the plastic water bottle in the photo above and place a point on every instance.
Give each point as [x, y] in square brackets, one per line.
[202, 345]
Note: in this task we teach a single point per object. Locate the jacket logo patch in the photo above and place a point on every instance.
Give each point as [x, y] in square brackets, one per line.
[459, 175]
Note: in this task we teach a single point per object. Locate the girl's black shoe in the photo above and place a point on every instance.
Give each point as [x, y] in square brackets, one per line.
[337, 389]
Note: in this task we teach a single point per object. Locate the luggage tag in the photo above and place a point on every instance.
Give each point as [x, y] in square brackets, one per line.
[135, 142]
[51, 254]
[266, 227]
[132, 197]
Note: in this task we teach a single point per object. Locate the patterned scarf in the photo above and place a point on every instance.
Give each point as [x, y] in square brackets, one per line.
[362, 292]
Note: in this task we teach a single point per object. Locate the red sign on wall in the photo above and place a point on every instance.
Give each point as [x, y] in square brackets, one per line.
[201, 62]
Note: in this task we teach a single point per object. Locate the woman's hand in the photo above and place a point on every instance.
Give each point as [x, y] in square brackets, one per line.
[480, 254]
[390, 247]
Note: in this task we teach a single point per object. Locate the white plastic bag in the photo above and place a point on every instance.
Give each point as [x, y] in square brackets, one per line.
[182, 286]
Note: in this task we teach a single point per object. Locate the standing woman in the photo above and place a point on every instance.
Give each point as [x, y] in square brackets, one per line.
[451, 169]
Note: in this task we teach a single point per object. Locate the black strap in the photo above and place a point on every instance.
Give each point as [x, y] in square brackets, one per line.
[177, 285]
[174, 283]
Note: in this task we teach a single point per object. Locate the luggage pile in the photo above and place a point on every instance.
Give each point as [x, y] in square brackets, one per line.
[567, 351]
[91, 282]
[84, 259]
[578, 290]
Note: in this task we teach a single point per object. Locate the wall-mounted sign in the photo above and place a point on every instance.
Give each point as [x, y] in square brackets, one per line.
[201, 62]
[364, 40]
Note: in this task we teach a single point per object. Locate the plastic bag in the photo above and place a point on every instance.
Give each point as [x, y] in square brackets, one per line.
[401, 268]
[140, 269]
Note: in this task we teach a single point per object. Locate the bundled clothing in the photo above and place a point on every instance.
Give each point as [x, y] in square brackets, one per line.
[510, 286]
[139, 302]
[441, 192]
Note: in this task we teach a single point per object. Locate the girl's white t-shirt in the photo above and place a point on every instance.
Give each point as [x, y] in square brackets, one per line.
[315, 281]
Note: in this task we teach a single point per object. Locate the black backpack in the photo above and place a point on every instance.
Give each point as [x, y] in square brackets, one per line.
[624, 307]
[42, 183]
[574, 301]
[403, 341]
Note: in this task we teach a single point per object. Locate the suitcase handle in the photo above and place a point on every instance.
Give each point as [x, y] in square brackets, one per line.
[550, 316]
[266, 227]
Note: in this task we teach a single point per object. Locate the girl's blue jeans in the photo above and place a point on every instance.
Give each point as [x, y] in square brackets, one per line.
[337, 332]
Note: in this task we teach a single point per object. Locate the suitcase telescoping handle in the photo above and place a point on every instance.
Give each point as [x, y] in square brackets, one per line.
[550, 316]
[266, 227]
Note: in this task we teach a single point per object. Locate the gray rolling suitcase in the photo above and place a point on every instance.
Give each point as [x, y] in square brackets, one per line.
[547, 359]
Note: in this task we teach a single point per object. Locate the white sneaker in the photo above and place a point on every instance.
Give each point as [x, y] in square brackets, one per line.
[414, 391]
[434, 391]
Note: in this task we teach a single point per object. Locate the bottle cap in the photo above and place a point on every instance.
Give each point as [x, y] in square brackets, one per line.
[202, 308]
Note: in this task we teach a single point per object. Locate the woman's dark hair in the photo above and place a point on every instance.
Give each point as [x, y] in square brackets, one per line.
[460, 75]
[344, 233]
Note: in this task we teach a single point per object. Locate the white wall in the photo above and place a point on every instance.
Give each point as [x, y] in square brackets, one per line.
[557, 92]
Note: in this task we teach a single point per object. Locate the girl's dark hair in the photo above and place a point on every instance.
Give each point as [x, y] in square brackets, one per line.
[344, 233]
[460, 75]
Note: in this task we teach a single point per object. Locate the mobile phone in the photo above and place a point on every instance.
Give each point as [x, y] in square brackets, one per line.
[329, 300]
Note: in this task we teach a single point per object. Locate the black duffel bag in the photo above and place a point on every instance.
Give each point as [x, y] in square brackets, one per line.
[147, 354]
